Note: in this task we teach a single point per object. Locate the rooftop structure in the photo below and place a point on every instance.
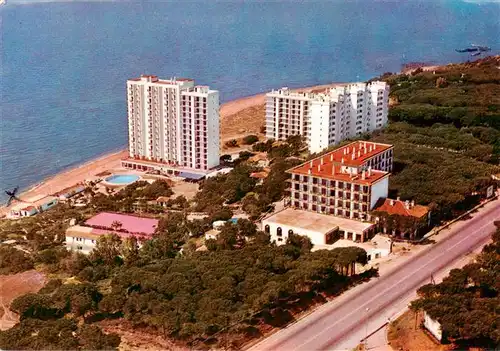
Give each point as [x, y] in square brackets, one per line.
[69, 192]
[327, 118]
[83, 237]
[399, 218]
[128, 224]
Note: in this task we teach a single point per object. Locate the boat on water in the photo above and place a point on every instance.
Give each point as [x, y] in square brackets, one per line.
[481, 48]
[474, 48]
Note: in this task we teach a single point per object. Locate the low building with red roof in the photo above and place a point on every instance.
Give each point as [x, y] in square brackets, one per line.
[401, 218]
[84, 237]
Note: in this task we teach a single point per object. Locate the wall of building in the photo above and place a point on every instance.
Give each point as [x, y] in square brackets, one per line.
[433, 326]
[319, 125]
[290, 110]
[317, 238]
[379, 189]
[213, 132]
[84, 245]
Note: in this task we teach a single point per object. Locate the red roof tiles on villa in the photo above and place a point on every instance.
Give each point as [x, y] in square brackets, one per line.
[398, 207]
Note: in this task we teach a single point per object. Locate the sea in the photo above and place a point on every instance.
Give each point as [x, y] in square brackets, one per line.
[64, 65]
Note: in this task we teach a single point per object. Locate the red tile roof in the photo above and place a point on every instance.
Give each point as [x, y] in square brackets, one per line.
[259, 175]
[362, 150]
[131, 224]
[29, 208]
[326, 171]
[398, 207]
[329, 165]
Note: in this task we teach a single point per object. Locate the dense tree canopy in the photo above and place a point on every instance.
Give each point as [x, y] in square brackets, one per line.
[469, 98]
[466, 302]
[225, 188]
[48, 320]
[419, 174]
[125, 199]
[13, 260]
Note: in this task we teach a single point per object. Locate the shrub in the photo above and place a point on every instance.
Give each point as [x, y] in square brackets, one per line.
[250, 139]
[13, 260]
[231, 143]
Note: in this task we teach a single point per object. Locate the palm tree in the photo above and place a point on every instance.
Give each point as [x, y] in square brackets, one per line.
[116, 225]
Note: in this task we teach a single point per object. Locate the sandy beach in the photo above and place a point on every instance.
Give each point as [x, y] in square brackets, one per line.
[232, 123]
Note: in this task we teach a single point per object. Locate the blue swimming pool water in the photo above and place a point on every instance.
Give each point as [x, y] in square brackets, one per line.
[122, 179]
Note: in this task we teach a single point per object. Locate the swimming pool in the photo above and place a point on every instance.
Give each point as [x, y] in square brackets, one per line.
[122, 179]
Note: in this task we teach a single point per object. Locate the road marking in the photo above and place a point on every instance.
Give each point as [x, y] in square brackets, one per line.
[390, 288]
[278, 339]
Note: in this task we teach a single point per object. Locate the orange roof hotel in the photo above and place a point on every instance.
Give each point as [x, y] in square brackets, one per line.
[345, 183]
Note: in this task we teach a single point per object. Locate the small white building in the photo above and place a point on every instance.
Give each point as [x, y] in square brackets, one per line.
[379, 246]
[217, 225]
[32, 206]
[323, 230]
[212, 234]
[80, 238]
[433, 326]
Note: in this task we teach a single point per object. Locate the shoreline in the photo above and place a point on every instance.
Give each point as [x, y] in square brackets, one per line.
[73, 174]
[108, 161]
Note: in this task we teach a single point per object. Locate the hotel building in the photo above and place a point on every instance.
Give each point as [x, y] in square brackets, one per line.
[335, 192]
[325, 119]
[173, 124]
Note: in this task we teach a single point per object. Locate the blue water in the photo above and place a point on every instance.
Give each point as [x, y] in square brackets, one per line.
[122, 179]
[64, 65]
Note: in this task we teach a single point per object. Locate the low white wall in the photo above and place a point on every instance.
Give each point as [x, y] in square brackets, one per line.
[433, 326]
[317, 238]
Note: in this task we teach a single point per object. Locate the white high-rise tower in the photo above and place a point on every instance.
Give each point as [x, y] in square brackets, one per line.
[172, 124]
[327, 118]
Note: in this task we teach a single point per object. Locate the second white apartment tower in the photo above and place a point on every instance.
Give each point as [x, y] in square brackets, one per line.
[327, 118]
[173, 122]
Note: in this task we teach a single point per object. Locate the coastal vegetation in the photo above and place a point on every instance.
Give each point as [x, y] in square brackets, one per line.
[445, 128]
[465, 96]
[241, 284]
[224, 295]
[466, 302]
[13, 260]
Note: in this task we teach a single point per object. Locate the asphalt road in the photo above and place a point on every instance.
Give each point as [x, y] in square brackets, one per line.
[327, 327]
